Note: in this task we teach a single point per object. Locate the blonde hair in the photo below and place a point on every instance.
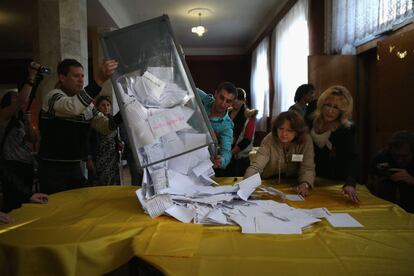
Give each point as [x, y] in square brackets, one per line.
[345, 104]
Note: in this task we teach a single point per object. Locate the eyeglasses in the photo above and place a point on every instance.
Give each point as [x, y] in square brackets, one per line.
[331, 106]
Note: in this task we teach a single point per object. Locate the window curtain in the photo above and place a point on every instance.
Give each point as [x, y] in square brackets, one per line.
[290, 49]
[354, 22]
[259, 83]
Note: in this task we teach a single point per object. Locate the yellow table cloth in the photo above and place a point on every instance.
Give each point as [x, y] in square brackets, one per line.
[93, 231]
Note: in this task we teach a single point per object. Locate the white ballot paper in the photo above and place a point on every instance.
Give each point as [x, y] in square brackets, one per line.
[162, 73]
[317, 212]
[248, 186]
[343, 220]
[152, 84]
[181, 213]
[155, 206]
[293, 197]
[170, 120]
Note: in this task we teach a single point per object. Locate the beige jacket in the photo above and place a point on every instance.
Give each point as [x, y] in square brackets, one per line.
[271, 155]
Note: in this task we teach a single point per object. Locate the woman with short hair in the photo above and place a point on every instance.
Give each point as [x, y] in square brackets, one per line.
[287, 152]
[303, 96]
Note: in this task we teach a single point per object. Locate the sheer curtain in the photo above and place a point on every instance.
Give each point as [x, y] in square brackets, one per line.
[259, 83]
[290, 44]
[354, 22]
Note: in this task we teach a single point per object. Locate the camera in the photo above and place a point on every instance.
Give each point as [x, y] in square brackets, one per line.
[43, 70]
[383, 167]
[386, 169]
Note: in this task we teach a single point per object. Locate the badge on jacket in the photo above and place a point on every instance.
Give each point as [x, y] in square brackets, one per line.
[297, 157]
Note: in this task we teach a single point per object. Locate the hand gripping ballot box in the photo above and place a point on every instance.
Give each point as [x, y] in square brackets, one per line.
[163, 115]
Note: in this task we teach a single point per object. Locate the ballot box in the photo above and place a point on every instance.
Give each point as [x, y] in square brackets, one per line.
[163, 115]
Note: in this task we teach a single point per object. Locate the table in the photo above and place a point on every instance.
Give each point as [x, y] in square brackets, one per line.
[93, 231]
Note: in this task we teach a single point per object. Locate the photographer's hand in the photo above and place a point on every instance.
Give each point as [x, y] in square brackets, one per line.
[32, 70]
[402, 175]
[23, 97]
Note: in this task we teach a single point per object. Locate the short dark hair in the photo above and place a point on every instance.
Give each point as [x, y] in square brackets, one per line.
[103, 98]
[302, 91]
[6, 99]
[241, 94]
[64, 65]
[296, 123]
[229, 87]
[401, 138]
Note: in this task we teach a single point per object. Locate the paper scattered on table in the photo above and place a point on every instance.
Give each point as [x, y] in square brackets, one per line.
[164, 128]
[343, 220]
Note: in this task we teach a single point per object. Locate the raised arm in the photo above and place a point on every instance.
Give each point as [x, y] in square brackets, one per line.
[23, 97]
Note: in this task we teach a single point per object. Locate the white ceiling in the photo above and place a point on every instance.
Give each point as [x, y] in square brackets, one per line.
[233, 25]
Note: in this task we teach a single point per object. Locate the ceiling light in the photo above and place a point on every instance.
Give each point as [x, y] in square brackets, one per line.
[200, 30]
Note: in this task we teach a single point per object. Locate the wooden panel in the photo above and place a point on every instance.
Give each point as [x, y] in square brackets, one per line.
[367, 88]
[324, 71]
[395, 96]
[209, 71]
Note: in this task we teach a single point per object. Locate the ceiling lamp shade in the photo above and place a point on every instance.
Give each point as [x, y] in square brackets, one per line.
[200, 30]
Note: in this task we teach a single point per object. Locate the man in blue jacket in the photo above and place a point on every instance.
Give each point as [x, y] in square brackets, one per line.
[216, 109]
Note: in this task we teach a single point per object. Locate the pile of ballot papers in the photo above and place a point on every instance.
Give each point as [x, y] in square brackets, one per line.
[189, 198]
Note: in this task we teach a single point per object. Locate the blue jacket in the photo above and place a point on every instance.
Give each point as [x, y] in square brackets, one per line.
[223, 127]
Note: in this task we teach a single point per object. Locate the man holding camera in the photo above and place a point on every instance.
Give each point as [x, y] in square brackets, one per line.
[16, 145]
[392, 171]
[66, 115]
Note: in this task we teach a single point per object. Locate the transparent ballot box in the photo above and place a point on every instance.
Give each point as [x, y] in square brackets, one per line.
[162, 114]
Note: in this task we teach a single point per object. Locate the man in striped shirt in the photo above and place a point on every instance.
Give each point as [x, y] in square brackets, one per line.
[65, 118]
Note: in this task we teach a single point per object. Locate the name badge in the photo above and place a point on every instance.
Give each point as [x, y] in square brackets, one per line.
[297, 157]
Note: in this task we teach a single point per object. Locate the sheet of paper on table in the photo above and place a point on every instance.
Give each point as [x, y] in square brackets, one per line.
[343, 220]
[293, 197]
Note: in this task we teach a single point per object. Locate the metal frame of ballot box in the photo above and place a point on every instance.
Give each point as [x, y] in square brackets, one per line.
[156, 93]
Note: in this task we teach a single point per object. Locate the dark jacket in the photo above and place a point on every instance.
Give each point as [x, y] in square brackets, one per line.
[340, 162]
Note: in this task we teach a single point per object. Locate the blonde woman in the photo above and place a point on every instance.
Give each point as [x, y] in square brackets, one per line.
[333, 135]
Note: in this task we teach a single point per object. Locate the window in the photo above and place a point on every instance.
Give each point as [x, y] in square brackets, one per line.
[291, 50]
[354, 22]
[259, 83]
